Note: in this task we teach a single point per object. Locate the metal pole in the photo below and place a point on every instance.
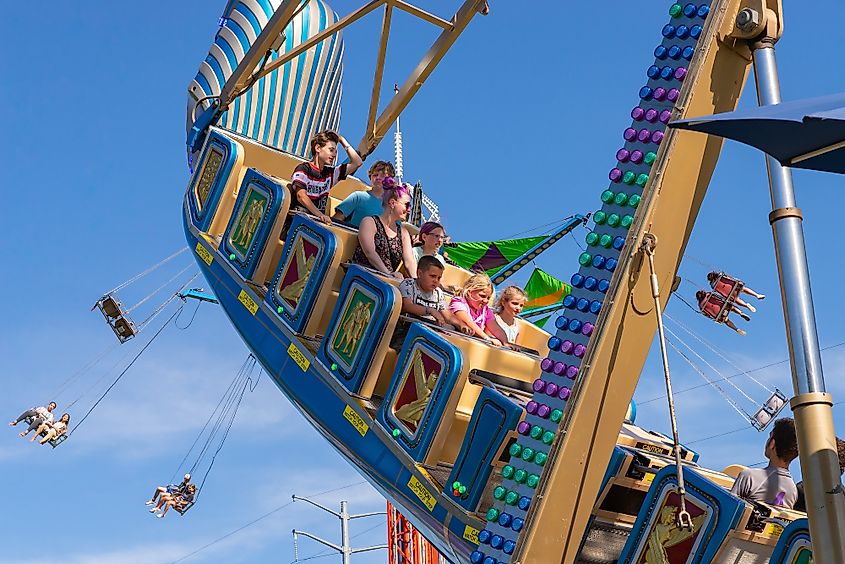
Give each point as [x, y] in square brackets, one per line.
[344, 532]
[811, 405]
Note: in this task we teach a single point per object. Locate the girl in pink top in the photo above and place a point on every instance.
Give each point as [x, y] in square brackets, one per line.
[471, 309]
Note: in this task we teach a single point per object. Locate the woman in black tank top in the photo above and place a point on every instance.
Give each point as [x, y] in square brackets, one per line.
[377, 247]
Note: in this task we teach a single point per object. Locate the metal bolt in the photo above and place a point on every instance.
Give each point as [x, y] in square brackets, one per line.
[748, 19]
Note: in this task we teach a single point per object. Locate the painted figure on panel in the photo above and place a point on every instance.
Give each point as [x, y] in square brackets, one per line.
[357, 313]
[248, 222]
[293, 291]
[295, 277]
[411, 412]
[667, 543]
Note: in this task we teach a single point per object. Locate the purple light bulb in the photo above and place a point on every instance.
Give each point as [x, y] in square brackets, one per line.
[566, 347]
[551, 389]
[539, 385]
[636, 156]
[564, 393]
[587, 329]
[643, 135]
[571, 373]
[657, 137]
[651, 115]
[559, 368]
[680, 73]
[531, 407]
[580, 350]
[659, 93]
[544, 411]
[673, 94]
[523, 428]
[637, 113]
[665, 116]
[622, 155]
[615, 175]
[630, 134]
[546, 365]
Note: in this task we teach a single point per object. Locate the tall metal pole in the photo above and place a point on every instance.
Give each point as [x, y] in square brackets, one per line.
[811, 404]
[344, 549]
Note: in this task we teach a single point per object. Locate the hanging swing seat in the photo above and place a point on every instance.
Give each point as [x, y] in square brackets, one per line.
[182, 509]
[53, 442]
[734, 286]
[719, 307]
[111, 308]
[769, 410]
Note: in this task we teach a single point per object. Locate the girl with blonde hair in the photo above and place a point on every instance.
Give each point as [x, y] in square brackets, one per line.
[508, 306]
[471, 309]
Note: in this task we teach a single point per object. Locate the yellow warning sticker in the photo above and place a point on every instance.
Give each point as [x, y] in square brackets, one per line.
[425, 473]
[471, 534]
[649, 478]
[356, 420]
[422, 492]
[248, 302]
[203, 253]
[773, 530]
[298, 357]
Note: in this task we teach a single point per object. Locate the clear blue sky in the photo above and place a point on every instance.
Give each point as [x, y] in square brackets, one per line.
[518, 128]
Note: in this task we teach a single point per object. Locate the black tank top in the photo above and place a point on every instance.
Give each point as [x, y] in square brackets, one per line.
[388, 249]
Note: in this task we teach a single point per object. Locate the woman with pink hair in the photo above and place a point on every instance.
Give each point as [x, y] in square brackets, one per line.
[382, 243]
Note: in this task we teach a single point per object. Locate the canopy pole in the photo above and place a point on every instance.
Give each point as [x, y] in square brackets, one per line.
[811, 405]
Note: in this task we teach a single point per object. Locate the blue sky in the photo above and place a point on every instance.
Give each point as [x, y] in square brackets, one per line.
[517, 128]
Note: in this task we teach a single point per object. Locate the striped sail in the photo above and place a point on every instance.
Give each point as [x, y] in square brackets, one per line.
[286, 107]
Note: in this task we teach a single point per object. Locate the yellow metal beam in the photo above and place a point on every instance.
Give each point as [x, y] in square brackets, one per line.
[558, 518]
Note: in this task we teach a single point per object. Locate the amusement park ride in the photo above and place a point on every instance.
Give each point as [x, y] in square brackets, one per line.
[495, 455]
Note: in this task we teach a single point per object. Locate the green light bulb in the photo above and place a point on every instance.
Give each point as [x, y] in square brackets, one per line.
[585, 259]
[627, 221]
[592, 238]
[492, 514]
[507, 471]
[621, 199]
[520, 476]
[541, 458]
[675, 10]
[613, 220]
[499, 492]
[511, 498]
[607, 196]
[533, 480]
[456, 485]
[605, 241]
[642, 179]
[629, 177]
[649, 158]
[599, 217]
[556, 415]
[279, 310]
[548, 437]
[527, 454]
[536, 431]
[634, 200]
[396, 432]
[515, 450]
[232, 256]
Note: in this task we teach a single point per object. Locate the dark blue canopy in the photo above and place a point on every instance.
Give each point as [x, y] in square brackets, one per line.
[807, 133]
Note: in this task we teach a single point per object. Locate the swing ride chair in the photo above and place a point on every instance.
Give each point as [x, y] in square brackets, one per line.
[495, 455]
[52, 442]
[117, 318]
[726, 302]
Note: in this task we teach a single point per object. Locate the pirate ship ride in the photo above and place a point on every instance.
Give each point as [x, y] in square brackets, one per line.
[496, 455]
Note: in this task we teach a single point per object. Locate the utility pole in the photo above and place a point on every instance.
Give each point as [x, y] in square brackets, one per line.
[344, 549]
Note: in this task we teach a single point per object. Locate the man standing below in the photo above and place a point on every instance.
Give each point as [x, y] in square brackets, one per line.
[361, 203]
[312, 181]
[772, 484]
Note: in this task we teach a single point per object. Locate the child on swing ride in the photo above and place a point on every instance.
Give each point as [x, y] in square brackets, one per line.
[471, 310]
[711, 304]
[724, 285]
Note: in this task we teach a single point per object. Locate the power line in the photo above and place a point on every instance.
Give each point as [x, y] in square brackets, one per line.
[254, 521]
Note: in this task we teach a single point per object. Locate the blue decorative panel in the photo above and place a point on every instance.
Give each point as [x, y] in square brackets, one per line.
[425, 374]
[492, 417]
[258, 204]
[209, 181]
[357, 326]
[714, 513]
[306, 257]
[794, 545]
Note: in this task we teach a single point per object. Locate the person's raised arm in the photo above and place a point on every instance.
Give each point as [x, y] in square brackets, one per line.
[355, 160]
[367, 240]
[408, 258]
[466, 321]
